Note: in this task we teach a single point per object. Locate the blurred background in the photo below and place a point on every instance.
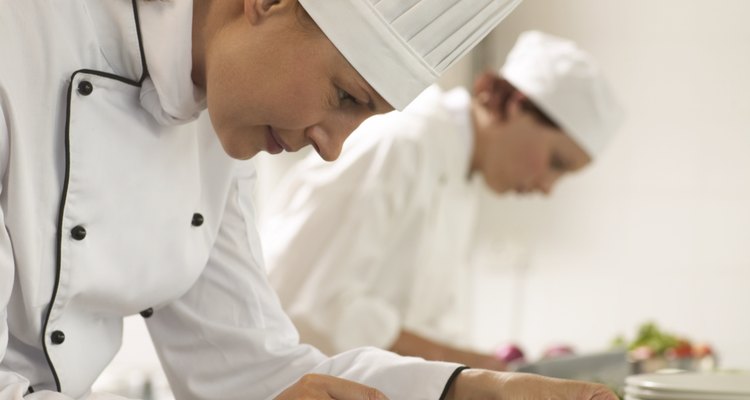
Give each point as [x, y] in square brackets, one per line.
[658, 229]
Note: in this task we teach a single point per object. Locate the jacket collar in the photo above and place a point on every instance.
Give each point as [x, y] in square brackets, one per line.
[168, 92]
[117, 34]
[160, 32]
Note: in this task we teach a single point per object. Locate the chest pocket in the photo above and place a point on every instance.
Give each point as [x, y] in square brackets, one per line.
[133, 214]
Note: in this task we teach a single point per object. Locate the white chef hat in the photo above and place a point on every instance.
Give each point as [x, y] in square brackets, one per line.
[401, 46]
[565, 82]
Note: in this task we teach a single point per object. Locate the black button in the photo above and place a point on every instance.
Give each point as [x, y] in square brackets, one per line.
[85, 88]
[57, 337]
[147, 312]
[78, 232]
[197, 219]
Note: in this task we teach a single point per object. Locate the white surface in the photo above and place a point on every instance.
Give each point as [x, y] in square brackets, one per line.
[648, 395]
[639, 394]
[715, 384]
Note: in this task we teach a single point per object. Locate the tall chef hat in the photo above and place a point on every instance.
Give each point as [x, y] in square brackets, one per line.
[401, 46]
[565, 82]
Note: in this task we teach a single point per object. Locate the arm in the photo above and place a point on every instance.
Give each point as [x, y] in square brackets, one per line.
[12, 385]
[463, 385]
[228, 337]
[412, 344]
[490, 385]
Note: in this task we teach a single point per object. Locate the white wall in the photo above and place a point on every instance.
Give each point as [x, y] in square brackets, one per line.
[658, 228]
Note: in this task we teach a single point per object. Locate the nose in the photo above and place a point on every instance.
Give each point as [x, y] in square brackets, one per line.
[327, 143]
[328, 138]
[548, 183]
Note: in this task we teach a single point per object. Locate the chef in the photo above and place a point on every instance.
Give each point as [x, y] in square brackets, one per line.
[371, 250]
[116, 202]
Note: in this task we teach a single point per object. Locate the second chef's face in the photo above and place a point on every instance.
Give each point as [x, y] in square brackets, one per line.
[528, 156]
[516, 148]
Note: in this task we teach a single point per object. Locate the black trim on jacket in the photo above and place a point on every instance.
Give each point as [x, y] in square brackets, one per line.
[448, 384]
[61, 213]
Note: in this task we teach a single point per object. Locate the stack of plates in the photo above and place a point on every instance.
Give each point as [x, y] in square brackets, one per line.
[688, 386]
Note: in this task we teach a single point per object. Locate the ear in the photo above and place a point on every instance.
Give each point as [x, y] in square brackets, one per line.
[514, 106]
[486, 91]
[257, 11]
[484, 83]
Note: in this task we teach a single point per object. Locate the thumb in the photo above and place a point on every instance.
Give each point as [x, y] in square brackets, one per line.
[342, 389]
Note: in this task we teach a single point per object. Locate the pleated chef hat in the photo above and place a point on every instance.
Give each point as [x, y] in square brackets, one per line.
[401, 46]
[565, 82]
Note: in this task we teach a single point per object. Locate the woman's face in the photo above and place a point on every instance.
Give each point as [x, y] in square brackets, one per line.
[275, 83]
[521, 154]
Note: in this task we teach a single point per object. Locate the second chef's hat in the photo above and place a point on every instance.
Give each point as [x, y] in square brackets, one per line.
[567, 84]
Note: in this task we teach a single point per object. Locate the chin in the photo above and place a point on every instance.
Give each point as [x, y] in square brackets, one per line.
[504, 190]
[241, 154]
[498, 188]
[237, 146]
[238, 151]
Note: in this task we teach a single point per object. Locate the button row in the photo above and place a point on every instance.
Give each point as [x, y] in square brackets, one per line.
[79, 232]
[58, 337]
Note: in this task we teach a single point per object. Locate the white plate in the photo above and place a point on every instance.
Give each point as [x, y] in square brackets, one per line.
[646, 394]
[708, 383]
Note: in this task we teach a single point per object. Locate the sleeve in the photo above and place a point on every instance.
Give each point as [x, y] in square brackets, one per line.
[228, 337]
[326, 244]
[12, 385]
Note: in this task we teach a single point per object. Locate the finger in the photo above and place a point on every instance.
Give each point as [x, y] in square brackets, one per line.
[604, 394]
[342, 389]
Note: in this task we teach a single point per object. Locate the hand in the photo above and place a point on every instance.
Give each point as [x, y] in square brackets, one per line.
[324, 387]
[490, 385]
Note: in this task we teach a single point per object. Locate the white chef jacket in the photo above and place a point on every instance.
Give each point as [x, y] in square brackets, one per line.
[380, 239]
[115, 202]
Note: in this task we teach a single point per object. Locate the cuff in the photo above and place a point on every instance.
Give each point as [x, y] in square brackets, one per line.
[448, 384]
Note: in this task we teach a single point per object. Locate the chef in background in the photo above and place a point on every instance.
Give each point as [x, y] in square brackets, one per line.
[371, 250]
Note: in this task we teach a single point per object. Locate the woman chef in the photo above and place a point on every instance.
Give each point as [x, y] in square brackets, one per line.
[115, 202]
[379, 263]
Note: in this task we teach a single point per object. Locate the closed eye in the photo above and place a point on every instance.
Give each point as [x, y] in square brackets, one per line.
[558, 164]
[345, 98]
